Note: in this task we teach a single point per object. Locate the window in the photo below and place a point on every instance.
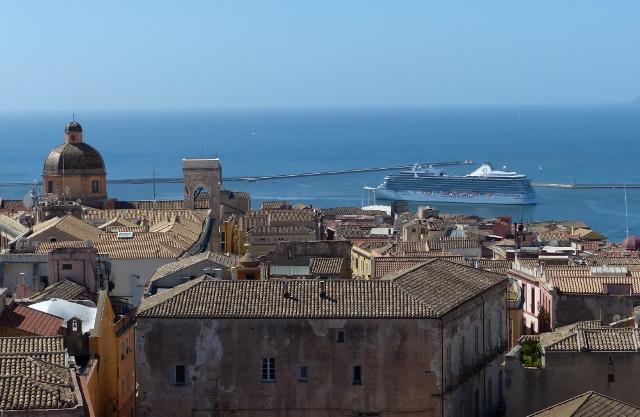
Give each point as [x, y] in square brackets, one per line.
[181, 375]
[251, 277]
[94, 186]
[122, 384]
[122, 355]
[357, 375]
[269, 369]
[262, 239]
[67, 266]
[462, 355]
[128, 348]
[280, 239]
[50, 187]
[304, 374]
[476, 350]
[533, 298]
[74, 324]
[340, 336]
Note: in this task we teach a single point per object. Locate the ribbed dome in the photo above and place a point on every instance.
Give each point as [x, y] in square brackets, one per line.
[74, 159]
[248, 260]
[631, 243]
[73, 127]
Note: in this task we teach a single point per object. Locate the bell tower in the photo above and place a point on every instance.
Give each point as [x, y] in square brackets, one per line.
[204, 175]
[73, 133]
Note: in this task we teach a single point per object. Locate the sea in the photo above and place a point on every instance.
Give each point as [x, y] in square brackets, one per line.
[594, 144]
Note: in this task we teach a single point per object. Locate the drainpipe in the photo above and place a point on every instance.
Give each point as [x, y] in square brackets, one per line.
[484, 368]
[442, 366]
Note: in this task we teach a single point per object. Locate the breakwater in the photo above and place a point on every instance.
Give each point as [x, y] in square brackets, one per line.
[262, 177]
[574, 185]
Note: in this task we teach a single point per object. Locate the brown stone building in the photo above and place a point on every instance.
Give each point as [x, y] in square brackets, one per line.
[426, 342]
[75, 170]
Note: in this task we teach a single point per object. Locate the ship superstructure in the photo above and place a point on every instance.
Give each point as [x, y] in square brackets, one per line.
[485, 185]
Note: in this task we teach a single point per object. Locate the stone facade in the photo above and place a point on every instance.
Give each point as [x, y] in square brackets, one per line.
[331, 348]
[600, 359]
[204, 175]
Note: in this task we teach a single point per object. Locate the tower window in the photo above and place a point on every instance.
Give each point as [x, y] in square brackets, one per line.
[50, 187]
[73, 138]
[94, 186]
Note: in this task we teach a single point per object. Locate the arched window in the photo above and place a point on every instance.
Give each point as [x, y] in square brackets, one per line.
[94, 186]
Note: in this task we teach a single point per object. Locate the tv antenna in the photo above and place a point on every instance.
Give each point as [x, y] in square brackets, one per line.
[626, 209]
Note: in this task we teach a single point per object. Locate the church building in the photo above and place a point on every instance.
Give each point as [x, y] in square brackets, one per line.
[75, 171]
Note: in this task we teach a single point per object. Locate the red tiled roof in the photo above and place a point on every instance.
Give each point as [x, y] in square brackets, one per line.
[30, 320]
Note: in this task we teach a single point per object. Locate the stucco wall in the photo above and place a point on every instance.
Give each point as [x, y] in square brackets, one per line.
[568, 374]
[223, 360]
[476, 331]
[124, 271]
[572, 308]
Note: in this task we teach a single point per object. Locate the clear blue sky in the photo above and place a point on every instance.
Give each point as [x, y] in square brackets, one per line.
[244, 54]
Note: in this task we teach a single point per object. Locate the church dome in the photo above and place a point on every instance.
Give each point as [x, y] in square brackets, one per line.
[248, 260]
[631, 243]
[74, 159]
[73, 127]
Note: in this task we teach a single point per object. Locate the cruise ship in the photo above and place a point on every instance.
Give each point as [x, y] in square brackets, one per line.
[485, 185]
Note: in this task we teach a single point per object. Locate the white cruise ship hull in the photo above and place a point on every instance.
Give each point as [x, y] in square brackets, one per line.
[466, 198]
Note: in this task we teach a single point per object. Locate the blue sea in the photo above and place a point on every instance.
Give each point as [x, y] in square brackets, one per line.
[588, 144]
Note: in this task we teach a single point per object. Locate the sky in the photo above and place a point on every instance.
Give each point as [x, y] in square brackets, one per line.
[145, 55]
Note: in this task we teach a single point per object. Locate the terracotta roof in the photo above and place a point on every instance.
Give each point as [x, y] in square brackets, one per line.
[34, 345]
[167, 238]
[330, 212]
[150, 205]
[406, 216]
[429, 290]
[269, 230]
[30, 320]
[118, 222]
[386, 265]
[229, 260]
[67, 224]
[274, 205]
[590, 404]
[27, 383]
[595, 340]
[593, 285]
[494, 265]
[121, 249]
[251, 222]
[327, 266]
[65, 289]
[291, 216]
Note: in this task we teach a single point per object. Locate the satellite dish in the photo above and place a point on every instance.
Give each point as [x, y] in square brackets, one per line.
[67, 190]
[79, 201]
[35, 243]
[88, 244]
[51, 199]
[29, 201]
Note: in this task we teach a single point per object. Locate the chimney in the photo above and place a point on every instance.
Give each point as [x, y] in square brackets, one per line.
[22, 278]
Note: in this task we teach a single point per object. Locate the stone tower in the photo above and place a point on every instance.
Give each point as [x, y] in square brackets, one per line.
[204, 175]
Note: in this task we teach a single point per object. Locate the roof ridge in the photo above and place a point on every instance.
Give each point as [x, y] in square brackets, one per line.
[159, 299]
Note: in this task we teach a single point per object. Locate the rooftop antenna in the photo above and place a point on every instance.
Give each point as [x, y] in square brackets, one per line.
[154, 176]
[626, 209]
